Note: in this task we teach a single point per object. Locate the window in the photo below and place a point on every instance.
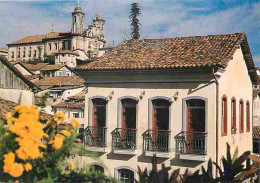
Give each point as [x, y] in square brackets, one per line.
[224, 116]
[12, 54]
[99, 112]
[49, 46]
[126, 176]
[56, 46]
[160, 114]
[24, 54]
[30, 53]
[241, 116]
[19, 54]
[34, 54]
[247, 116]
[233, 115]
[75, 19]
[128, 113]
[82, 113]
[60, 73]
[76, 115]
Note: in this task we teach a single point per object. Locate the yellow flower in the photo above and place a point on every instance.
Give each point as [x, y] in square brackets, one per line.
[65, 132]
[27, 167]
[9, 158]
[8, 117]
[58, 141]
[16, 170]
[59, 117]
[71, 166]
[75, 122]
[6, 133]
[20, 108]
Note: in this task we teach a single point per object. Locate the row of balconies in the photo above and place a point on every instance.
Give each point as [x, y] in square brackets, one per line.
[154, 142]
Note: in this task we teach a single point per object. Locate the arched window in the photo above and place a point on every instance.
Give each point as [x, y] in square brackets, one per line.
[224, 115]
[160, 114]
[75, 19]
[128, 113]
[233, 115]
[99, 112]
[247, 116]
[96, 168]
[126, 175]
[241, 115]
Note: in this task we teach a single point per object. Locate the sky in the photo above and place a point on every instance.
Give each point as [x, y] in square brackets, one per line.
[159, 18]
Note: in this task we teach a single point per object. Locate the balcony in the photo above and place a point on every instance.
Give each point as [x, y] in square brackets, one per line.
[124, 141]
[95, 138]
[157, 142]
[191, 145]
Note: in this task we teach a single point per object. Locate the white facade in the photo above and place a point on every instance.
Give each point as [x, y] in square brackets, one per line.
[178, 89]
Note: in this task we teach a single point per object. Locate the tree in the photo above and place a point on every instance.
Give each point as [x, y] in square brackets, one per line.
[135, 24]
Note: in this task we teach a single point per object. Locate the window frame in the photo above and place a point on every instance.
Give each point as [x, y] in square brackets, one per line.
[233, 115]
[248, 116]
[91, 108]
[117, 174]
[224, 113]
[241, 116]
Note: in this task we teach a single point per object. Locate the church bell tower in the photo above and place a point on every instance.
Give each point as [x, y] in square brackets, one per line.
[77, 26]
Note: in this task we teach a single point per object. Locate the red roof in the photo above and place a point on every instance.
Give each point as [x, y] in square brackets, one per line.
[60, 81]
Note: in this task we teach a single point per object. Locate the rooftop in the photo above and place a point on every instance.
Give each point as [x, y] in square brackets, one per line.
[34, 67]
[60, 81]
[195, 51]
[8, 106]
[39, 38]
[78, 96]
[52, 67]
[72, 105]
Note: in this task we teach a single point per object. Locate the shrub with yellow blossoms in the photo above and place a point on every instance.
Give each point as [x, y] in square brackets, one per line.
[32, 149]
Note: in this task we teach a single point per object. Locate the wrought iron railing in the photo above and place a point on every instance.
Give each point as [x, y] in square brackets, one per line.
[156, 140]
[191, 143]
[124, 138]
[95, 136]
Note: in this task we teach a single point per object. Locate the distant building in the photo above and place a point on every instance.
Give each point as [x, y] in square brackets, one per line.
[57, 89]
[38, 47]
[181, 99]
[4, 52]
[56, 70]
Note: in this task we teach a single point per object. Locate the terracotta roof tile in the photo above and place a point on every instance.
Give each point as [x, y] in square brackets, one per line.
[72, 105]
[8, 106]
[60, 81]
[38, 38]
[194, 51]
[67, 52]
[51, 67]
[78, 96]
[256, 132]
[34, 67]
[31, 77]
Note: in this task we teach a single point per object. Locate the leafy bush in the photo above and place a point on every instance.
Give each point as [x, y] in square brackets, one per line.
[34, 151]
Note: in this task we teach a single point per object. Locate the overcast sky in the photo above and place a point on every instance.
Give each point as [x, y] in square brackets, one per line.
[160, 18]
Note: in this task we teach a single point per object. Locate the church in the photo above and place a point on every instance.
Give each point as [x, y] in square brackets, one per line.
[78, 44]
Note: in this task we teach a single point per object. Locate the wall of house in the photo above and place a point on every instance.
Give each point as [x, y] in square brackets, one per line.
[25, 48]
[177, 120]
[235, 82]
[18, 96]
[69, 114]
[68, 59]
[256, 112]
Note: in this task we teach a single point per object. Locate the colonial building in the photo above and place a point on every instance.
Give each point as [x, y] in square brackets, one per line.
[87, 41]
[56, 70]
[181, 99]
[57, 89]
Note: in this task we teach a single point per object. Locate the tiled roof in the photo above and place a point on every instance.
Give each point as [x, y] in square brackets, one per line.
[34, 67]
[72, 105]
[256, 132]
[4, 50]
[78, 96]
[60, 81]
[51, 67]
[38, 38]
[169, 53]
[31, 77]
[8, 106]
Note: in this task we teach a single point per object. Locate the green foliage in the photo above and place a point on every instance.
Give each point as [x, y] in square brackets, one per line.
[50, 59]
[135, 11]
[43, 99]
